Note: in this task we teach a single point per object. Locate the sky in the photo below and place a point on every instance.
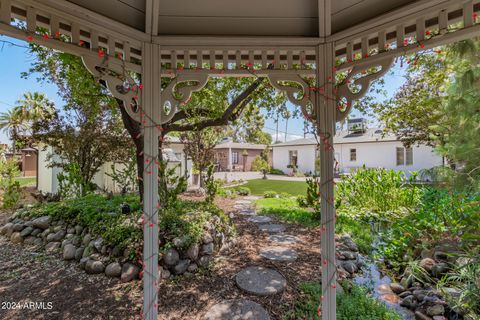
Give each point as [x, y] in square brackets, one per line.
[14, 60]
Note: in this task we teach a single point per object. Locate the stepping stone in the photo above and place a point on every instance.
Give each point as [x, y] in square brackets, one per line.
[237, 310]
[251, 198]
[260, 219]
[260, 281]
[247, 213]
[272, 228]
[283, 238]
[279, 254]
[241, 206]
[243, 202]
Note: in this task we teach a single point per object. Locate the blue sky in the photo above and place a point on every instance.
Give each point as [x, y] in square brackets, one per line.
[14, 60]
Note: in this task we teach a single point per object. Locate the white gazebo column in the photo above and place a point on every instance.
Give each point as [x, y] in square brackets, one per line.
[150, 106]
[325, 110]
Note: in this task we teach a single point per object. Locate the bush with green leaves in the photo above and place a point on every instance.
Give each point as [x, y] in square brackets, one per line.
[71, 183]
[125, 175]
[302, 201]
[170, 184]
[243, 191]
[377, 194]
[276, 171]
[355, 303]
[442, 214]
[211, 185]
[270, 194]
[9, 187]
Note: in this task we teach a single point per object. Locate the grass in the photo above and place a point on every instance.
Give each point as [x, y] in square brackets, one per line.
[355, 304]
[294, 188]
[287, 210]
[26, 181]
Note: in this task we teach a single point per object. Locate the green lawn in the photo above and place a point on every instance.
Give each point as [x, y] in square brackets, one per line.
[27, 182]
[259, 186]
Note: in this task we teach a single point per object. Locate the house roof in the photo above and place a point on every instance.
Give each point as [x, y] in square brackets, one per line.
[344, 137]
[239, 145]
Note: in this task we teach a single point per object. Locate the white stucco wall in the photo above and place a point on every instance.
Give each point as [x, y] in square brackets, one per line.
[305, 160]
[370, 154]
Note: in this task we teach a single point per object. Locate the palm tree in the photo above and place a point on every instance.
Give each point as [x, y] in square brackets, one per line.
[35, 105]
[12, 122]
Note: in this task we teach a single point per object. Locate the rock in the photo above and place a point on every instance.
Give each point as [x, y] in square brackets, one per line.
[425, 253]
[36, 232]
[29, 240]
[129, 272]
[421, 316]
[207, 249]
[436, 310]
[397, 288]
[405, 294]
[38, 242]
[97, 244]
[65, 242]
[409, 302]
[83, 262]
[78, 229]
[165, 273]
[193, 267]
[86, 239]
[279, 254]
[192, 252]
[113, 270]
[439, 269]
[104, 250]
[69, 252]
[207, 238]
[57, 236]
[16, 238]
[420, 294]
[45, 233]
[427, 264]
[116, 252]
[204, 261]
[272, 228]
[179, 242]
[79, 253]
[440, 256]
[76, 241]
[59, 228]
[18, 227]
[406, 281]
[70, 230]
[350, 266]
[439, 318]
[349, 255]
[94, 267]
[27, 231]
[349, 243]
[7, 229]
[52, 247]
[87, 252]
[181, 266]
[171, 257]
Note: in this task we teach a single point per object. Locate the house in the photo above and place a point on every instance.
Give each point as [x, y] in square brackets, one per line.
[236, 156]
[47, 178]
[26, 160]
[356, 148]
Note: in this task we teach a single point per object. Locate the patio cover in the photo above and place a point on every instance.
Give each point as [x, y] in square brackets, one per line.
[191, 41]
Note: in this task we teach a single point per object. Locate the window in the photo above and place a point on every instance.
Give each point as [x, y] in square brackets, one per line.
[409, 156]
[353, 154]
[404, 156]
[400, 156]
[235, 157]
[292, 156]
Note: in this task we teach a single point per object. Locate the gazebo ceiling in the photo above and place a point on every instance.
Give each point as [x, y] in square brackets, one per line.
[241, 18]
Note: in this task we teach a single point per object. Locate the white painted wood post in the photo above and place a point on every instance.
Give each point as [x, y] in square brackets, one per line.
[150, 107]
[325, 110]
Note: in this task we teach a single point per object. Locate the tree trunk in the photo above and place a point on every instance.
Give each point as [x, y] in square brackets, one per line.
[134, 130]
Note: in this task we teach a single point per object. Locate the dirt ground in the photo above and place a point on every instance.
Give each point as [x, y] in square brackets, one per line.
[27, 275]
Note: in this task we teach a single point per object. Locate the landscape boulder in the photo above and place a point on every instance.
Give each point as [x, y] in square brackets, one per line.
[129, 272]
[94, 267]
[69, 252]
[113, 270]
[42, 222]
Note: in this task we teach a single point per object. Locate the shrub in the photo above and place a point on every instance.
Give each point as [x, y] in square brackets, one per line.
[270, 194]
[259, 164]
[312, 194]
[71, 183]
[170, 184]
[302, 201]
[276, 171]
[211, 184]
[355, 303]
[9, 187]
[243, 191]
[285, 195]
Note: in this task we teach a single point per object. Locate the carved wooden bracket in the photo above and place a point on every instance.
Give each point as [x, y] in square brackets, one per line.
[118, 81]
[179, 91]
[300, 95]
[362, 83]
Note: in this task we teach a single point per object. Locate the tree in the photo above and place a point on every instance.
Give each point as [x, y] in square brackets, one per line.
[12, 122]
[287, 116]
[35, 105]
